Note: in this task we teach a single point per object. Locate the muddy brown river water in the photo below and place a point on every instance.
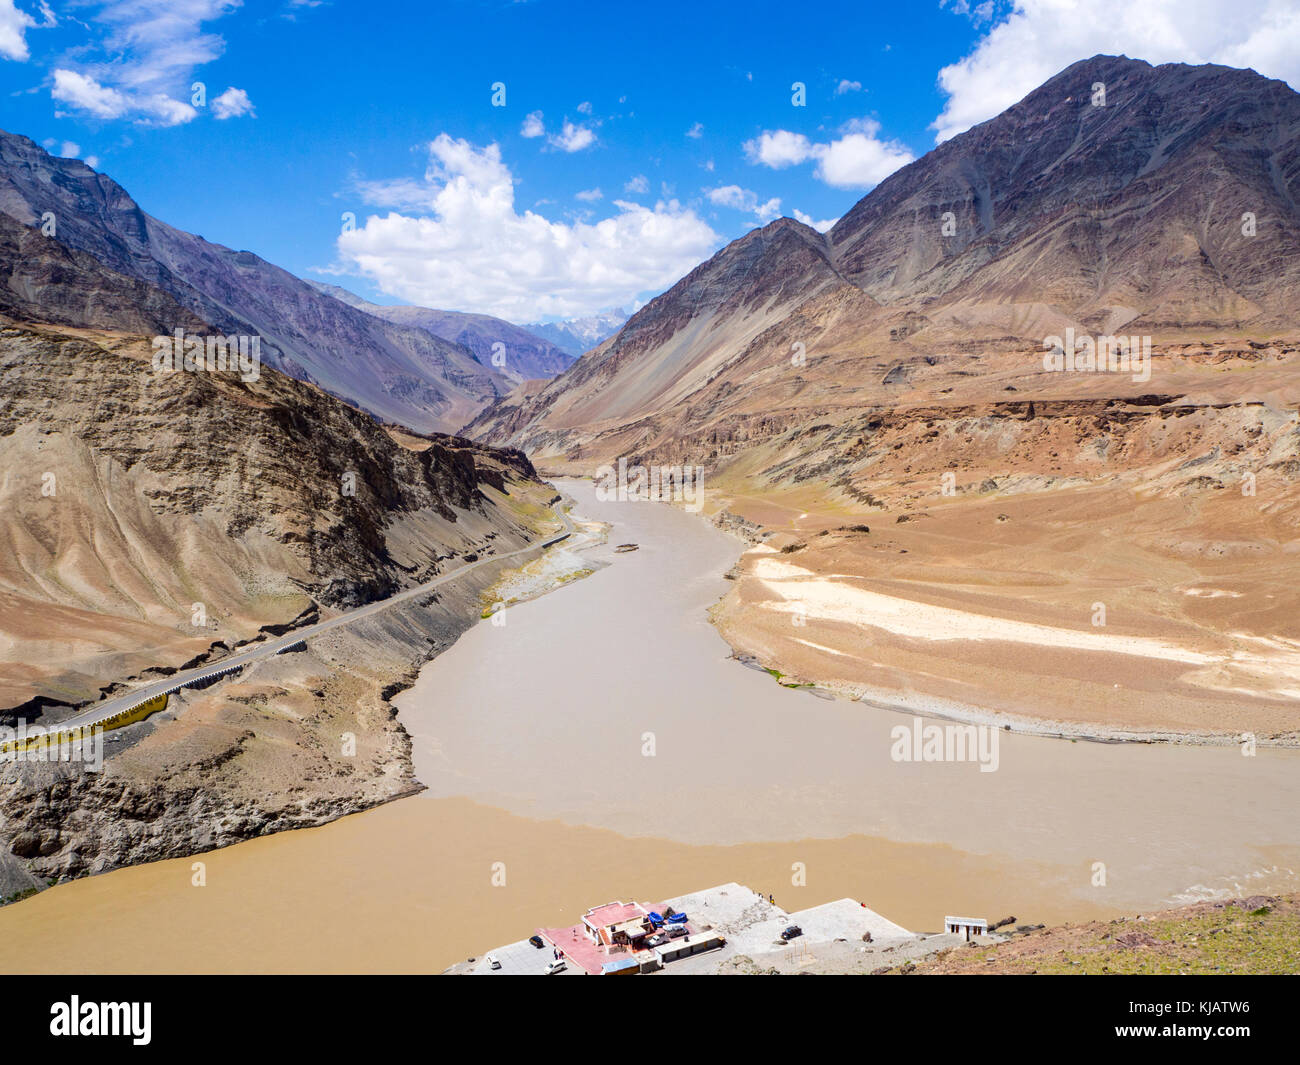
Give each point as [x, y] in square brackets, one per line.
[601, 743]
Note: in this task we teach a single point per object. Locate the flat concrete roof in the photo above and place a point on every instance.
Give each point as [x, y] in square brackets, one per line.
[750, 923]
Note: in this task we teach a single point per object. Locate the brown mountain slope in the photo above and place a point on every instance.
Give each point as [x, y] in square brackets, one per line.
[44, 280]
[693, 340]
[1126, 215]
[155, 520]
[131, 495]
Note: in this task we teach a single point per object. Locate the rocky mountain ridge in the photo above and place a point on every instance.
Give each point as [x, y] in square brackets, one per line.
[1168, 211]
[509, 349]
[399, 374]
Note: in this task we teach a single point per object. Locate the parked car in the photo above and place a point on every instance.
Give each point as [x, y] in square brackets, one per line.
[536, 941]
[793, 932]
[493, 961]
[657, 940]
[557, 966]
[676, 931]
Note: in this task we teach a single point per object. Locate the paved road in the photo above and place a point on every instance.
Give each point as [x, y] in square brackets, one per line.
[135, 696]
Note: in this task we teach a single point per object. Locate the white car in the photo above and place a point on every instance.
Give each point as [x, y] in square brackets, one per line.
[493, 961]
[557, 966]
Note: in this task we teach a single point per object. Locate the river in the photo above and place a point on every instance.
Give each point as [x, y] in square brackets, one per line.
[601, 743]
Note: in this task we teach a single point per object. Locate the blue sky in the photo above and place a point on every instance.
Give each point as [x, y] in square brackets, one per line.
[658, 133]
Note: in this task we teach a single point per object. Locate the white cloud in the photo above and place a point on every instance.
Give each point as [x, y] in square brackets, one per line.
[696, 131]
[856, 159]
[14, 25]
[847, 86]
[151, 49]
[637, 186]
[1039, 38]
[808, 220]
[744, 200]
[533, 125]
[70, 150]
[471, 250]
[86, 94]
[589, 195]
[584, 108]
[572, 138]
[860, 159]
[978, 14]
[779, 148]
[232, 104]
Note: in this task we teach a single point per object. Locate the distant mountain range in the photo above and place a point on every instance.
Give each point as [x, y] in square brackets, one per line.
[522, 354]
[398, 373]
[577, 336]
[1167, 209]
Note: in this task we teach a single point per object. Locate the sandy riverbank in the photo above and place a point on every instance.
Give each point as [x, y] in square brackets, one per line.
[968, 617]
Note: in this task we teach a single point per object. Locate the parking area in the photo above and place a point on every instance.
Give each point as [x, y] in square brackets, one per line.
[517, 959]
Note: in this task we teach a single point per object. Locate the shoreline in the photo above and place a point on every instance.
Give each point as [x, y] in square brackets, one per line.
[938, 708]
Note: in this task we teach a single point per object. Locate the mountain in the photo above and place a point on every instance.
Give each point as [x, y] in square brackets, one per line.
[523, 355]
[1126, 217]
[169, 489]
[576, 336]
[400, 374]
[676, 344]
